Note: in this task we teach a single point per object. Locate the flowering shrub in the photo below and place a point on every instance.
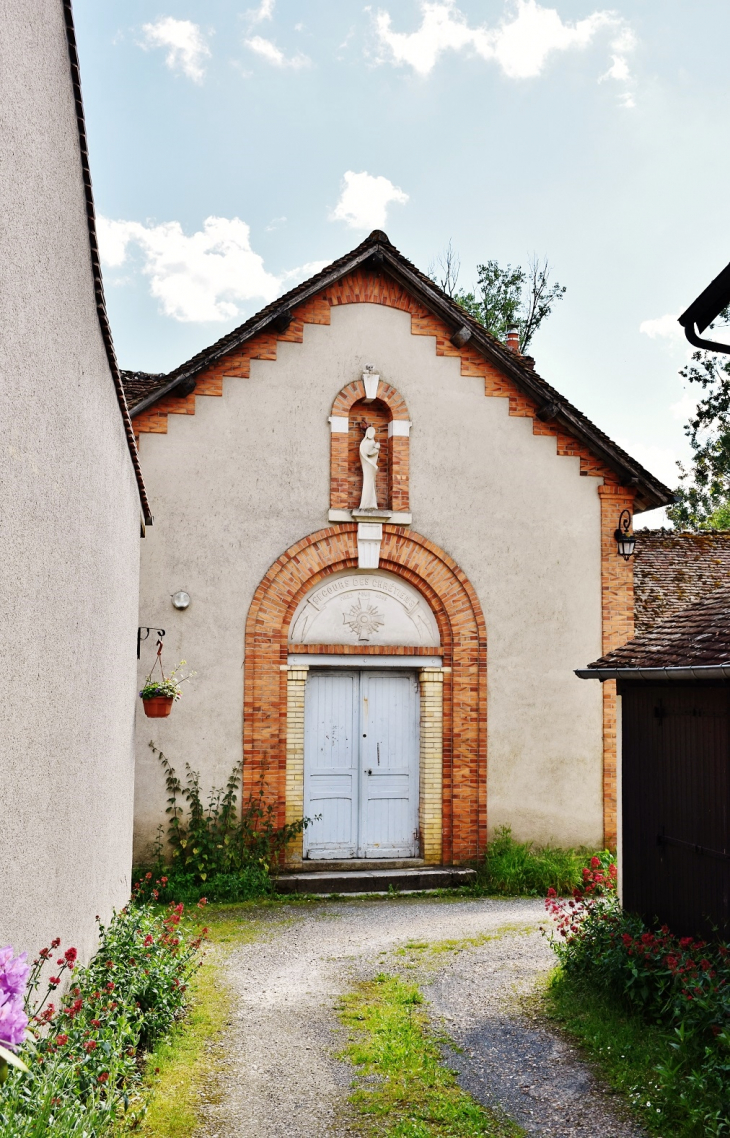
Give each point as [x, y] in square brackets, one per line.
[679, 982]
[167, 685]
[82, 1054]
[214, 849]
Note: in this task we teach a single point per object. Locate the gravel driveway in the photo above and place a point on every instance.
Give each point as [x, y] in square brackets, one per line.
[281, 1077]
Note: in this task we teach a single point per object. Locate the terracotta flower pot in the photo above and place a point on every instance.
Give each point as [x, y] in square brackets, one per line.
[158, 707]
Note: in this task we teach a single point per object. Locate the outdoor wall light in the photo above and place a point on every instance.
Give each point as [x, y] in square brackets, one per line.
[180, 599]
[625, 541]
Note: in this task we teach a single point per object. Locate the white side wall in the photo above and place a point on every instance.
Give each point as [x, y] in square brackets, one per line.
[248, 476]
[69, 525]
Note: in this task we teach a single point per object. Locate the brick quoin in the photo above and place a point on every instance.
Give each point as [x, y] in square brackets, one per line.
[363, 286]
[464, 644]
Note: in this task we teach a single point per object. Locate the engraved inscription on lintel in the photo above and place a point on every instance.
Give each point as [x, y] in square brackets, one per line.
[364, 608]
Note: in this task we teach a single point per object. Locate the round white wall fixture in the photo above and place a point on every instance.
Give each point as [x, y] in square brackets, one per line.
[180, 599]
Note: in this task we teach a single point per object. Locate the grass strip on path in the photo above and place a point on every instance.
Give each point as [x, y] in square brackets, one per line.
[183, 1068]
[413, 1095]
[626, 1049]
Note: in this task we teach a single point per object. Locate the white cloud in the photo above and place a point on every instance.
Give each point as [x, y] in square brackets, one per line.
[365, 199]
[662, 327]
[684, 407]
[265, 11]
[520, 45]
[270, 52]
[186, 45]
[202, 277]
[275, 223]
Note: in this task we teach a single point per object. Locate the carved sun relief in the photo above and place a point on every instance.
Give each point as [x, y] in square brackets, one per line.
[365, 620]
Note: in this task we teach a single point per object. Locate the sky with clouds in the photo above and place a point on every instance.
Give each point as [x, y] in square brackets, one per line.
[236, 150]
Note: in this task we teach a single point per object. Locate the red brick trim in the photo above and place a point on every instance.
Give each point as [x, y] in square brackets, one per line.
[617, 599]
[464, 645]
[398, 452]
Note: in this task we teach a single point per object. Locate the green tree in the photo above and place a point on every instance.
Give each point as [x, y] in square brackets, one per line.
[702, 500]
[502, 297]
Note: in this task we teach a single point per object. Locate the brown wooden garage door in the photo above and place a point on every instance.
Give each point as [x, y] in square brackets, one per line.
[676, 863]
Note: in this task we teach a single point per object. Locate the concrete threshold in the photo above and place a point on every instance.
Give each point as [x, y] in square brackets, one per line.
[411, 880]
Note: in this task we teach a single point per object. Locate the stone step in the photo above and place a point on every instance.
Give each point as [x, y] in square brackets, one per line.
[352, 864]
[375, 880]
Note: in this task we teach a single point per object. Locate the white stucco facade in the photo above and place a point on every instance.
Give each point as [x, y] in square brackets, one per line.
[248, 475]
[69, 525]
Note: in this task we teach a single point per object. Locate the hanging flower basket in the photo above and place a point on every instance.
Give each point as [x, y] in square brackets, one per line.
[159, 695]
[157, 706]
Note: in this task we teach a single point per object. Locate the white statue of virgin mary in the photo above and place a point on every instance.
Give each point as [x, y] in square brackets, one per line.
[369, 449]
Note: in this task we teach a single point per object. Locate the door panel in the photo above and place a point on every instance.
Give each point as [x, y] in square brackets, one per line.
[389, 727]
[361, 745]
[330, 758]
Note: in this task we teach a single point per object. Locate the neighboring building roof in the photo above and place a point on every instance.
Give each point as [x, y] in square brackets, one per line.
[696, 637]
[672, 570]
[96, 263]
[377, 251]
[139, 384]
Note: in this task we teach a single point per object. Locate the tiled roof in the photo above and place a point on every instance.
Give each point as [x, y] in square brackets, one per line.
[139, 384]
[673, 570]
[698, 636]
[378, 250]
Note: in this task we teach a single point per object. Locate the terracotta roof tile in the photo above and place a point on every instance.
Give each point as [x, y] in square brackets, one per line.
[698, 636]
[139, 384]
[673, 570]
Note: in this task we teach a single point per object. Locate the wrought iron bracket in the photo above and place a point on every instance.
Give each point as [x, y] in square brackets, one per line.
[143, 628]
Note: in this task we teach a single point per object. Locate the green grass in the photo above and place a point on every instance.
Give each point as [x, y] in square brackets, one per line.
[413, 1094]
[627, 1051]
[520, 869]
[181, 1069]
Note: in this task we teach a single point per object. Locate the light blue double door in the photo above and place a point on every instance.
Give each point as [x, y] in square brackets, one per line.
[361, 747]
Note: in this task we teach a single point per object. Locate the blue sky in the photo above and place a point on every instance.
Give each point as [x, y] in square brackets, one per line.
[235, 150]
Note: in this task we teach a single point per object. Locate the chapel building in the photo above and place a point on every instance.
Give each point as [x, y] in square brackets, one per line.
[398, 542]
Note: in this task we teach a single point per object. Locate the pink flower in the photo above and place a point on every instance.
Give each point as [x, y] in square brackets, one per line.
[13, 1020]
[14, 972]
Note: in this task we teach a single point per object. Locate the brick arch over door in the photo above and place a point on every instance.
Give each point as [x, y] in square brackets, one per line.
[463, 637]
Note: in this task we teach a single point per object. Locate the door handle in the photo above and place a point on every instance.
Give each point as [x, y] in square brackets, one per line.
[368, 772]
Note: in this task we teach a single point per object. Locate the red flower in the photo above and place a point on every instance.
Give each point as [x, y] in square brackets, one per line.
[55, 943]
[61, 1040]
[148, 876]
[45, 953]
[595, 863]
[163, 880]
[96, 1023]
[90, 1045]
[110, 987]
[49, 1013]
[148, 940]
[54, 981]
[103, 1076]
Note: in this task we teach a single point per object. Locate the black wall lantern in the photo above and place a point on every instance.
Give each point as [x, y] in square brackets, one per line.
[625, 541]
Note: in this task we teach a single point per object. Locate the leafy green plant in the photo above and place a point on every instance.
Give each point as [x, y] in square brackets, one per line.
[83, 1057]
[679, 983]
[212, 847]
[521, 869]
[168, 686]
